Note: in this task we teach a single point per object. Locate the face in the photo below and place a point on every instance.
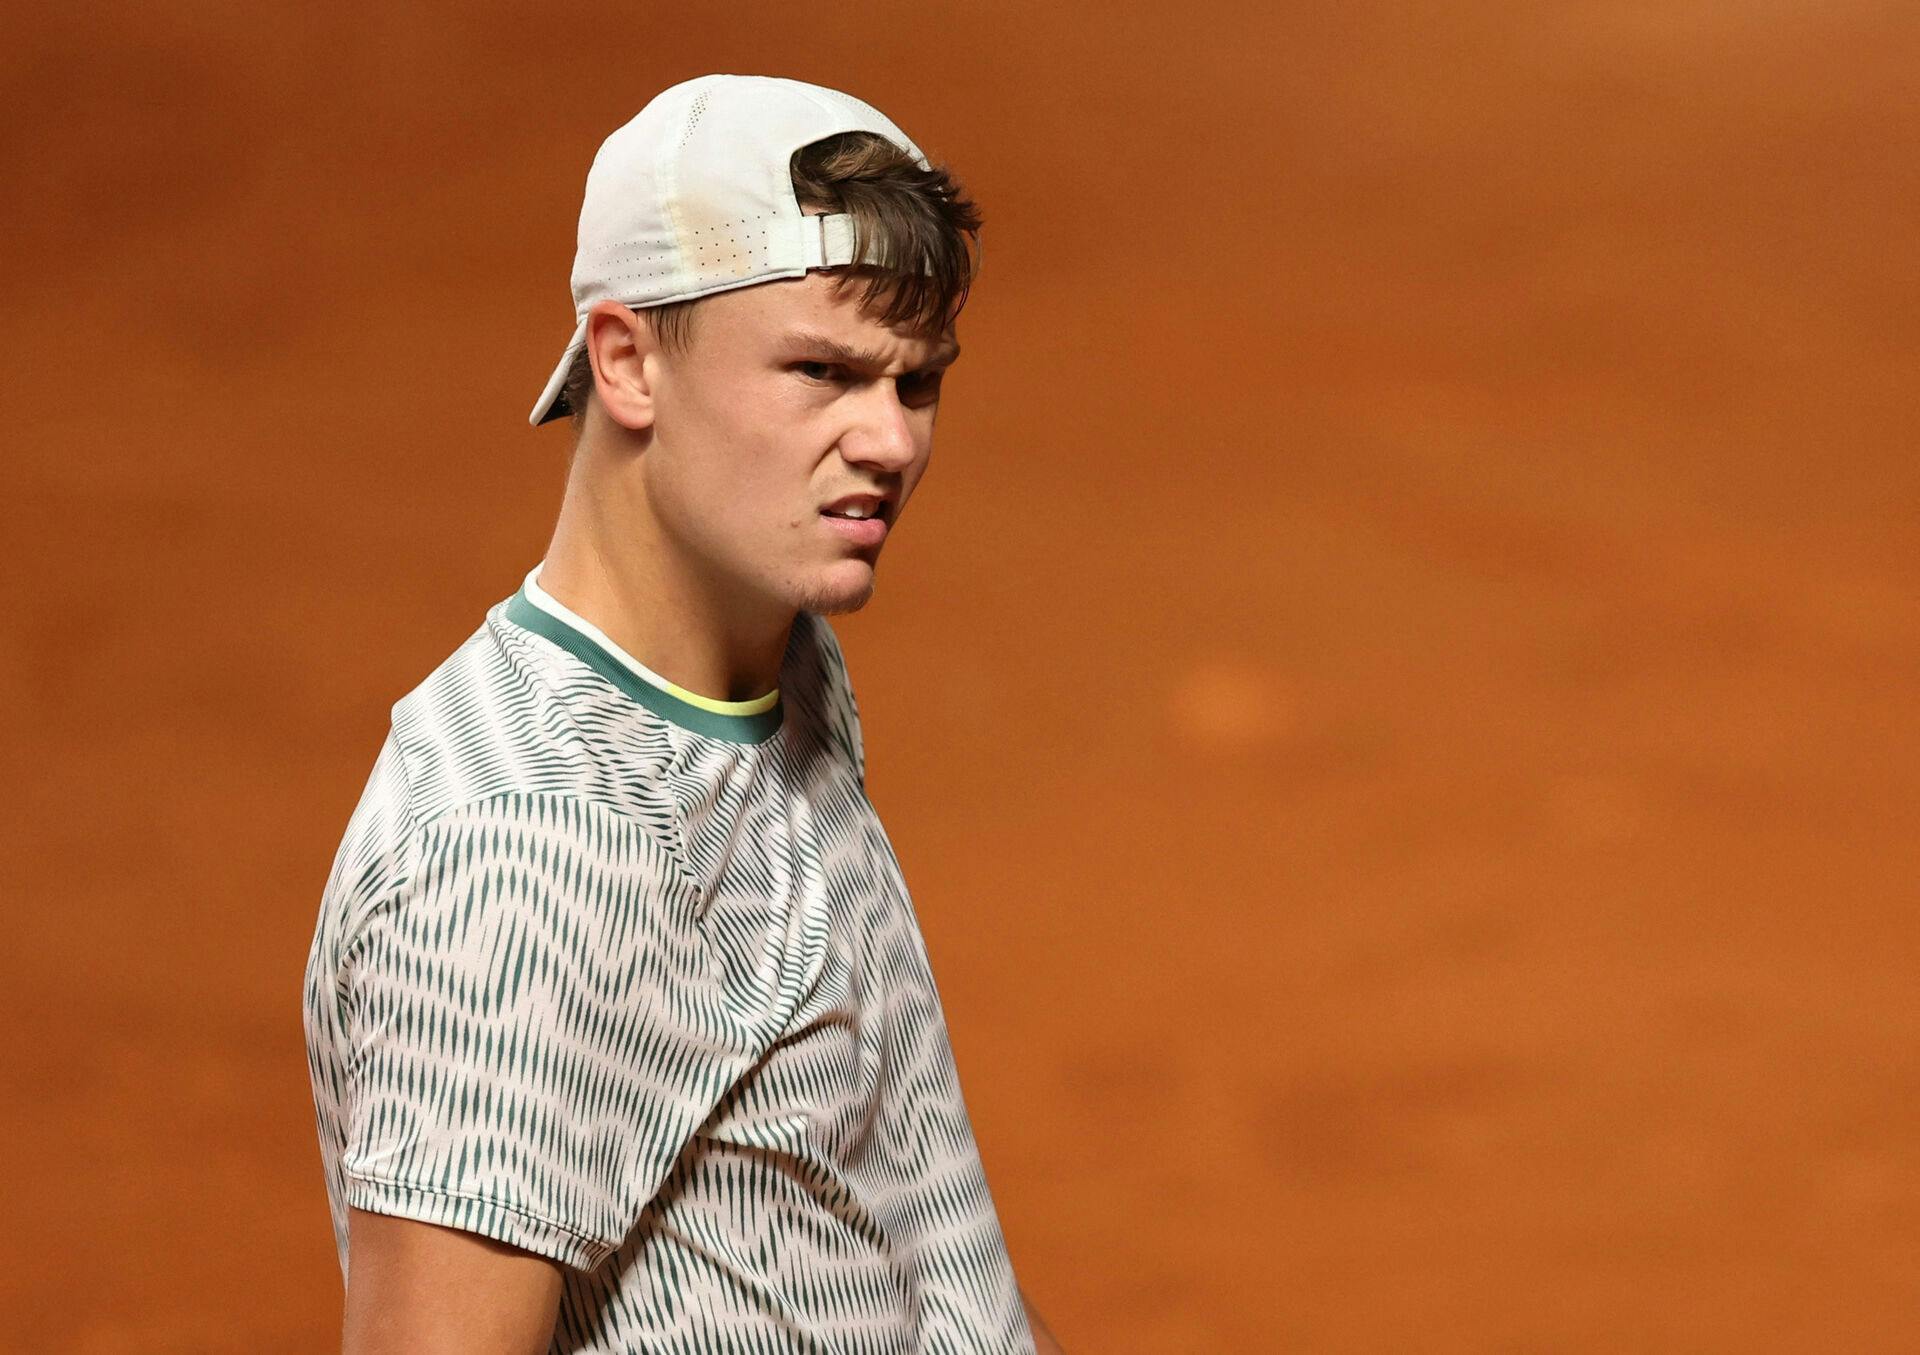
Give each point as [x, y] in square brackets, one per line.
[788, 400]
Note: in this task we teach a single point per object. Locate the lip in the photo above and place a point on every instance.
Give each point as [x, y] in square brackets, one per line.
[860, 531]
[880, 505]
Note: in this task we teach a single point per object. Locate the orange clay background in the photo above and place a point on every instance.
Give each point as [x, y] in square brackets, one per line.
[1396, 699]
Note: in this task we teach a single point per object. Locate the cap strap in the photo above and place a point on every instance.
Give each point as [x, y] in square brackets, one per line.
[826, 241]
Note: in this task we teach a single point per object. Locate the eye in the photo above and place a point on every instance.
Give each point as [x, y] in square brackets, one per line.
[819, 371]
[921, 387]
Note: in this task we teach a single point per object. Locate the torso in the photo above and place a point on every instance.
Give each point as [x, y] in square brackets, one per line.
[746, 977]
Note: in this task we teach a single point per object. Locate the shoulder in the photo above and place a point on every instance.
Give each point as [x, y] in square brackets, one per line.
[506, 731]
[479, 724]
[510, 712]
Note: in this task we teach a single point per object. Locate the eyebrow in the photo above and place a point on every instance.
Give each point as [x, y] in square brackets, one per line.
[833, 349]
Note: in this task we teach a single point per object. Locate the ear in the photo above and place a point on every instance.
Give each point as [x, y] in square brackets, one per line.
[626, 361]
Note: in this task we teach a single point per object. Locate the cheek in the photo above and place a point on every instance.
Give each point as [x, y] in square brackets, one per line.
[747, 460]
[757, 472]
[718, 451]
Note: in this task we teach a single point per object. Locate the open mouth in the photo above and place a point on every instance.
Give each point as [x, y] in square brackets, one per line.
[866, 531]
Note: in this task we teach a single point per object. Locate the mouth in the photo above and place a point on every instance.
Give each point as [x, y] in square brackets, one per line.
[860, 531]
[861, 518]
[865, 503]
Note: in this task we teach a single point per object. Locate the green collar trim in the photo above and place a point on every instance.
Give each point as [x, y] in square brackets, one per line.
[757, 728]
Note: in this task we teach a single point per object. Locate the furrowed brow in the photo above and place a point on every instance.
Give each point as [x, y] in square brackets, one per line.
[820, 346]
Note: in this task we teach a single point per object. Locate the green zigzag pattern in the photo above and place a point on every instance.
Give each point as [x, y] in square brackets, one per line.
[654, 1003]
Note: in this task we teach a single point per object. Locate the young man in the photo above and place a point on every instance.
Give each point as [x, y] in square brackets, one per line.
[621, 1028]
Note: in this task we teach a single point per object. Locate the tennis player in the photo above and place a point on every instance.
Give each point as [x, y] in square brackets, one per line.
[621, 1027]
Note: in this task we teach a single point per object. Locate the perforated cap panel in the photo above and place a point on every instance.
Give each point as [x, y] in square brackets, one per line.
[694, 195]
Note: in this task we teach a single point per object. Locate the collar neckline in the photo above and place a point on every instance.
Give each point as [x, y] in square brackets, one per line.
[533, 608]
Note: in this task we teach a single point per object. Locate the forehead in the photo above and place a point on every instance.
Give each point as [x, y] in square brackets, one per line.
[770, 314]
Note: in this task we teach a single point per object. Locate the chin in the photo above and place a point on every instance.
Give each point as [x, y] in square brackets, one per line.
[840, 590]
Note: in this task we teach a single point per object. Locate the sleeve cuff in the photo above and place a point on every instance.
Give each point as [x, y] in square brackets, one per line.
[472, 1214]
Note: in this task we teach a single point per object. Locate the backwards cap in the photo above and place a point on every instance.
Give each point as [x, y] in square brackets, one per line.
[695, 196]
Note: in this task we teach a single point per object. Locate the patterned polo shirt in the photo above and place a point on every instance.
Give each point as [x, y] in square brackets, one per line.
[630, 978]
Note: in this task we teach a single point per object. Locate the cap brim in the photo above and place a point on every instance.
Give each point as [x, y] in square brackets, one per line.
[550, 406]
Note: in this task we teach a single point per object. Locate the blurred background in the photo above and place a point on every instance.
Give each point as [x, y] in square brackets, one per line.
[1396, 699]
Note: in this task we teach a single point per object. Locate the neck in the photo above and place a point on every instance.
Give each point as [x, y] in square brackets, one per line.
[612, 563]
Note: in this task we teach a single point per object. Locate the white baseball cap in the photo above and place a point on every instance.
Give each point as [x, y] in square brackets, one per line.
[695, 196]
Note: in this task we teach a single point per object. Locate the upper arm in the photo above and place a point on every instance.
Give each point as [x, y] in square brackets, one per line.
[532, 1030]
[422, 1289]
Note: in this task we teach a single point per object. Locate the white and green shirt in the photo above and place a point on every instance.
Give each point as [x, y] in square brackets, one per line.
[629, 977]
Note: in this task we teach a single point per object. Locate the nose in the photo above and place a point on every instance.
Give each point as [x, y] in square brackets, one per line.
[884, 434]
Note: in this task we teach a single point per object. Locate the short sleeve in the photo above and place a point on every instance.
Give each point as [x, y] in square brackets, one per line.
[533, 1030]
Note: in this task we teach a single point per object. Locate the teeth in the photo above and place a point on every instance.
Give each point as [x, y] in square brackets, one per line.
[853, 511]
